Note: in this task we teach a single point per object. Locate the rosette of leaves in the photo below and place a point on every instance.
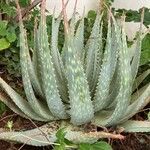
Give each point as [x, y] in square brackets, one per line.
[93, 83]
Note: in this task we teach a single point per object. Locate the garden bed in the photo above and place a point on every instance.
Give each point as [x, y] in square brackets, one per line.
[134, 141]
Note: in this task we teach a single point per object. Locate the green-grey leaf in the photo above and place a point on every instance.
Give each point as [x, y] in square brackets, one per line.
[136, 126]
[47, 73]
[80, 101]
[7, 101]
[22, 104]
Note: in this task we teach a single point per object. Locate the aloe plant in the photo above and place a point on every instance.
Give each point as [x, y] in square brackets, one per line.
[92, 83]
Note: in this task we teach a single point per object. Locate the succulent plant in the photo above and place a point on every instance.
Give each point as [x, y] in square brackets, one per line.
[93, 83]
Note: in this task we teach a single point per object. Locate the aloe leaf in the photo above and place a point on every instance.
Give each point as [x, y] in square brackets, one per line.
[100, 117]
[139, 92]
[116, 37]
[139, 100]
[34, 102]
[34, 79]
[136, 59]
[139, 79]
[57, 61]
[7, 101]
[26, 65]
[79, 41]
[123, 96]
[107, 71]
[72, 26]
[114, 75]
[81, 108]
[125, 80]
[41, 136]
[92, 48]
[97, 60]
[111, 101]
[54, 47]
[33, 66]
[35, 60]
[22, 104]
[46, 135]
[135, 126]
[49, 83]
[34, 57]
[63, 53]
[80, 101]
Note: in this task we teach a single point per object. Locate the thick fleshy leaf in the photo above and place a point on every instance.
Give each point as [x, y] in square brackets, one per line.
[7, 101]
[57, 61]
[97, 60]
[42, 136]
[33, 67]
[46, 135]
[22, 104]
[36, 65]
[49, 83]
[80, 101]
[79, 41]
[107, 69]
[135, 126]
[136, 59]
[125, 80]
[140, 79]
[123, 96]
[139, 100]
[111, 100]
[92, 49]
[25, 61]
